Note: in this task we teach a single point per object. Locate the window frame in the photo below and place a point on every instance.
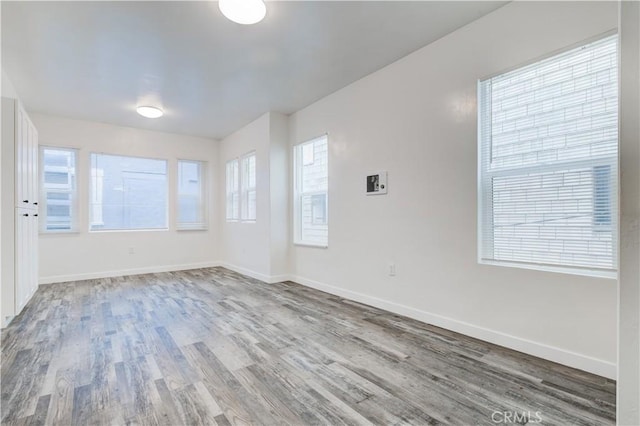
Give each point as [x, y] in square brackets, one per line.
[298, 164]
[73, 192]
[203, 198]
[167, 188]
[245, 191]
[484, 179]
[234, 192]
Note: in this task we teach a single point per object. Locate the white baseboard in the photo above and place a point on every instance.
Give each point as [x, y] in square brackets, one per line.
[280, 278]
[269, 279]
[125, 272]
[6, 321]
[540, 350]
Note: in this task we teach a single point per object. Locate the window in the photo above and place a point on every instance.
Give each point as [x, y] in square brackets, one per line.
[58, 189]
[548, 162]
[241, 188]
[311, 193]
[128, 193]
[232, 183]
[248, 187]
[191, 195]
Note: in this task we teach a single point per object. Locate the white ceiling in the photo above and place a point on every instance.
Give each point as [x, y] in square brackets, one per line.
[97, 60]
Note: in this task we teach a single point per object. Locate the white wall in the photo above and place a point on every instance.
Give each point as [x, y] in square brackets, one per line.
[417, 119]
[260, 248]
[279, 195]
[87, 254]
[245, 246]
[8, 89]
[629, 315]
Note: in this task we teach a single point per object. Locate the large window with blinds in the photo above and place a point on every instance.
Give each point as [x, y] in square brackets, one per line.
[58, 191]
[241, 188]
[127, 193]
[192, 206]
[548, 162]
[248, 187]
[232, 184]
[311, 190]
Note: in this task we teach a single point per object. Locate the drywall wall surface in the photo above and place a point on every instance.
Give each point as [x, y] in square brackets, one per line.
[628, 402]
[417, 119]
[7, 213]
[279, 182]
[8, 89]
[86, 254]
[260, 248]
[7, 220]
[245, 246]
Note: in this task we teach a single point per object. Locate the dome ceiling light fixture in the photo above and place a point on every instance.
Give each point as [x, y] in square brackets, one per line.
[149, 111]
[245, 12]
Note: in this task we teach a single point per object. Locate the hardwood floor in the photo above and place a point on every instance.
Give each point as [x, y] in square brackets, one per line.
[213, 347]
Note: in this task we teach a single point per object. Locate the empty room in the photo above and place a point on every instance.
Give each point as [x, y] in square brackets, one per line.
[250, 212]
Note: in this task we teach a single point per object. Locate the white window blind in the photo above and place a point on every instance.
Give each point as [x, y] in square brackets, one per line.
[58, 196]
[248, 187]
[128, 193]
[311, 192]
[232, 188]
[191, 195]
[548, 161]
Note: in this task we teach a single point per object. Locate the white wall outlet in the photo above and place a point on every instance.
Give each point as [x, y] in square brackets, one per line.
[132, 250]
[392, 269]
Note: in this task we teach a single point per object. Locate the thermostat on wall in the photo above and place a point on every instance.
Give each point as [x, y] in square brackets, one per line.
[377, 183]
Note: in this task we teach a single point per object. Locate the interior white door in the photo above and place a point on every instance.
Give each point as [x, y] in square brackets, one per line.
[22, 158]
[26, 269]
[33, 254]
[32, 178]
[22, 274]
[21, 279]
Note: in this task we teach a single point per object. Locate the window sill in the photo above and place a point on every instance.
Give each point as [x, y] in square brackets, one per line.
[194, 228]
[301, 244]
[58, 233]
[597, 273]
[109, 231]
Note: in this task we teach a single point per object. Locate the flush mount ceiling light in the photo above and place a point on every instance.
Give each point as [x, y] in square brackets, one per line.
[149, 111]
[244, 12]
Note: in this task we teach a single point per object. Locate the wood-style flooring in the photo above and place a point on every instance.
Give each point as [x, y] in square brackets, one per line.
[210, 346]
